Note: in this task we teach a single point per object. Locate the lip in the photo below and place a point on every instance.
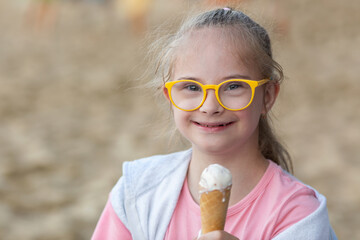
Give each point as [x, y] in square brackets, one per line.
[213, 126]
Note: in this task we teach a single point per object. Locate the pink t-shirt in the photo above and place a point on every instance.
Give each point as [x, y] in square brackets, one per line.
[276, 202]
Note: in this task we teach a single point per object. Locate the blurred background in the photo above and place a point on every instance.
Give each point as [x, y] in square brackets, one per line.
[70, 115]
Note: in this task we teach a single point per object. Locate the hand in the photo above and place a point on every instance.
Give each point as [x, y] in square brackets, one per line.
[217, 235]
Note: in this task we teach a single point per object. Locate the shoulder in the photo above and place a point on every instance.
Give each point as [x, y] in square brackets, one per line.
[148, 164]
[142, 177]
[139, 173]
[298, 204]
[146, 194]
[313, 226]
[155, 168]
[290, 189]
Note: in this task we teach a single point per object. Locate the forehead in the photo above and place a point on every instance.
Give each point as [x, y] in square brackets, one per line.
[211, 48]
[198, 39]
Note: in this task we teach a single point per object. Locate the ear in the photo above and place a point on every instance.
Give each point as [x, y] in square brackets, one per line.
[166, 93]
[271, 92]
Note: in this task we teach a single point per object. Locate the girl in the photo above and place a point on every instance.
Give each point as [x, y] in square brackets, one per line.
[218, 73]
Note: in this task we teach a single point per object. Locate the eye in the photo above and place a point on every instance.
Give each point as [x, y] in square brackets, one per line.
[234, 85]
[192, 87]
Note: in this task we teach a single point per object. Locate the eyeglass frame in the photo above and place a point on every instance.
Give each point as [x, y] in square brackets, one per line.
[252, 83]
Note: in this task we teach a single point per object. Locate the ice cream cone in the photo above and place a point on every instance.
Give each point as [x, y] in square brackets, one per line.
[213, 207]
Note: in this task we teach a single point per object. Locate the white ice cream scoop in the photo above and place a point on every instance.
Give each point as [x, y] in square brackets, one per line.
[215, 177]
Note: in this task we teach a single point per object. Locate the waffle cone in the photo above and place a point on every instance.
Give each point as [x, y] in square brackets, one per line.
[213, 207]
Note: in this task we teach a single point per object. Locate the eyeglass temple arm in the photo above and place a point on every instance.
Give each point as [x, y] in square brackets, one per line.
[261, 82]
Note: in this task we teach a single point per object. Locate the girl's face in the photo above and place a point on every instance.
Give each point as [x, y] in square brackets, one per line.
[206, 56]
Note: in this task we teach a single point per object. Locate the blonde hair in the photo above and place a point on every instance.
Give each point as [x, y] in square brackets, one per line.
[236, 25]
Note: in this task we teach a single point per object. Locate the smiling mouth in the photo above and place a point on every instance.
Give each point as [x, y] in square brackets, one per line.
[213, 125]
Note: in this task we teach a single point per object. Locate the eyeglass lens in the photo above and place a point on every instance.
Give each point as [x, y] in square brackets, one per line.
[189, 95]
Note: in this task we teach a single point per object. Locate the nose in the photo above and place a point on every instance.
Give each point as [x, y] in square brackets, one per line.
[211, 104]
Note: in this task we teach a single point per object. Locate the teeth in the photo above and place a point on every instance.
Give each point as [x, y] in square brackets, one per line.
[210, 126]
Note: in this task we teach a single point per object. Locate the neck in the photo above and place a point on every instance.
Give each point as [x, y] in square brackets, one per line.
[247, 168]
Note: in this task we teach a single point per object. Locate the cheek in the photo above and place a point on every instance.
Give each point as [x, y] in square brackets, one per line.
[256, 106]
[180, 118]
[250, 116]
[182, 123]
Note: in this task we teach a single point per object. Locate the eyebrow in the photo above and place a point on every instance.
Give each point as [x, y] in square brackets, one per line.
[236, 76]
[188, 78]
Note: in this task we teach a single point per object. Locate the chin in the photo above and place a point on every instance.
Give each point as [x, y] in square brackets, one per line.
[213, 148]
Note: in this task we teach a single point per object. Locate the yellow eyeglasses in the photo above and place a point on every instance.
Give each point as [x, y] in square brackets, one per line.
[233, 94]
